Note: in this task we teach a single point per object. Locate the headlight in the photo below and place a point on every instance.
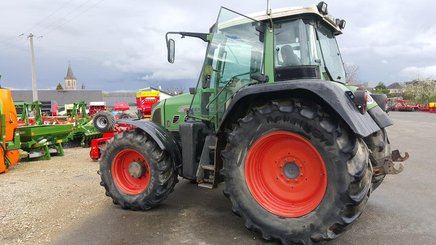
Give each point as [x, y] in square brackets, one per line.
[340, 23]
[322, 8]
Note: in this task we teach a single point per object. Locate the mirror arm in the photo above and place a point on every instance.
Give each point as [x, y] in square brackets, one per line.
[202, 36]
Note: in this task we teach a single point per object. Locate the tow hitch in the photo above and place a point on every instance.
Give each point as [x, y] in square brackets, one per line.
[391, 165]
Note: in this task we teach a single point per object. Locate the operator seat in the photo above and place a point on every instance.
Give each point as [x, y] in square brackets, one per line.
[288, 56]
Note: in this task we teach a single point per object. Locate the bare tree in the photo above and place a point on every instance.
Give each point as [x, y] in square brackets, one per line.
[351, 73]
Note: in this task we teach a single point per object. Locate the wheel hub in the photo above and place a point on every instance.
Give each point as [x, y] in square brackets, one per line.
[291, 170]
[136, 169]
[131, 171]
[102, 122]
[285, 174]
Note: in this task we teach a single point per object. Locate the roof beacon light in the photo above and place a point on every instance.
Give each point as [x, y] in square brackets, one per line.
[322, 8]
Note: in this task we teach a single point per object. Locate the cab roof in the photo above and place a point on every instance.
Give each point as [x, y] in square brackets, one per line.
[295, 11]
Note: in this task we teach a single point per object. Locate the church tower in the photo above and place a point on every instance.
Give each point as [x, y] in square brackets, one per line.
[70, 80]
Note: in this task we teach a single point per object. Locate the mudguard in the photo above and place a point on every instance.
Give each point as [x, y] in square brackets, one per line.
[162, 137]
[332, 94]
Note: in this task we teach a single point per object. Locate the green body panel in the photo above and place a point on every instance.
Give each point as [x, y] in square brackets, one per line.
[173, 111]
[16, 144]
[269, 56]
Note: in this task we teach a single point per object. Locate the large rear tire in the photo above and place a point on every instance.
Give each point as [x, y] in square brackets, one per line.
[380, 147]
[135, 172]
[295, 172]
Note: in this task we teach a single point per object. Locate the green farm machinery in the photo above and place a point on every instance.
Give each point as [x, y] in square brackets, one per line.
[43, 136]
[84, 130]
[41, 141]
[299, 150]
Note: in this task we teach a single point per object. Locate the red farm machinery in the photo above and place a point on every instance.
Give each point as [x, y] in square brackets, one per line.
[145, 101]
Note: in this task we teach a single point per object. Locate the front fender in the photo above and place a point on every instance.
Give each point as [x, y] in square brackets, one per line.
[332, 94]
[162, 137]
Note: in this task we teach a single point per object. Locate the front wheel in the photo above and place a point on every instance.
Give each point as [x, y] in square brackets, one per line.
[135, 172]
[294, 172]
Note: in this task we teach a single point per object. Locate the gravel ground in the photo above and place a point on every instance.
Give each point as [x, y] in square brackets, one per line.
[61, 202]
[39, 199]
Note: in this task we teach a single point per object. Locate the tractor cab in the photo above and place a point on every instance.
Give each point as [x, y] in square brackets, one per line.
[282, 45]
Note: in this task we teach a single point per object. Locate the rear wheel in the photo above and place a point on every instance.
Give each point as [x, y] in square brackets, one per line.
[135, 172]
[295, 173]
[380, 147]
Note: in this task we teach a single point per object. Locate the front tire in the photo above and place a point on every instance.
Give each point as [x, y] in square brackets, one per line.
[294, 172]
[135, 172]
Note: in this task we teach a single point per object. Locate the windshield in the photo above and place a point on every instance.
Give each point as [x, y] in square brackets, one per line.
[234, 53]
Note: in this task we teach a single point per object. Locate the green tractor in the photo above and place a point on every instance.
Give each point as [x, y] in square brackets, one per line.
[271, 116]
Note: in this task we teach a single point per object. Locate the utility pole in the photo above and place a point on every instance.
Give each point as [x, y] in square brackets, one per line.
[34, 84]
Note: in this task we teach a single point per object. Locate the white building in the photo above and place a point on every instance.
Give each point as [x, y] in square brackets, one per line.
[70, 80]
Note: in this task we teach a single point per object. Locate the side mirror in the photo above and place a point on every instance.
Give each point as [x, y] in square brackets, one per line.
[171, 46]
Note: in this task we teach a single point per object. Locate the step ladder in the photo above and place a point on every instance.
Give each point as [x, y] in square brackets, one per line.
[207, 173]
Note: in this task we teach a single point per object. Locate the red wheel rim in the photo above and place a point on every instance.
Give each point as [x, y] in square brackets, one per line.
[286, 174]
[123, 177]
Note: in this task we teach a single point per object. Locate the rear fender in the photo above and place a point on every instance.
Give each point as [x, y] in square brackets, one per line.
[330, 93]
[164, 139]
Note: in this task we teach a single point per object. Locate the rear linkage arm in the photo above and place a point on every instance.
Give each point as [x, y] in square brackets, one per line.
[389, 166]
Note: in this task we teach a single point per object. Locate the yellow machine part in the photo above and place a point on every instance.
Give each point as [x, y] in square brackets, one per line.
[8, 111]
[3, 168]
[11, 159]
[148, 93]
[8, 124]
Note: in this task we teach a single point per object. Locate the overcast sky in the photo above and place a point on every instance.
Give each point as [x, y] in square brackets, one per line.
[120, 45]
